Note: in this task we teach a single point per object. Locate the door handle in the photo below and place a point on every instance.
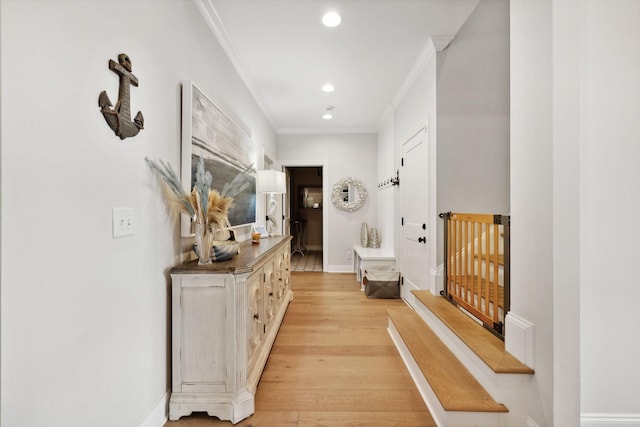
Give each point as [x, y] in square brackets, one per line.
[422, 240]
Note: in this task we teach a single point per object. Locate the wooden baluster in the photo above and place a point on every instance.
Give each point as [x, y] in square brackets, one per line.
[488, 267]
[452, 261]
[457, 260]
[464, 250]
[495, 273]
[452, 268]
[447, 260]
[480, 262]
[472, 259]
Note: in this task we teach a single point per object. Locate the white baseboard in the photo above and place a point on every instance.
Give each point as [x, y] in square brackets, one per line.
[340, 268]
[610, 420]
[518, 338]
[158, 415]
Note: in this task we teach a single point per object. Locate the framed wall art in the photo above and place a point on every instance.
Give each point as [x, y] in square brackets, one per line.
[227, 151]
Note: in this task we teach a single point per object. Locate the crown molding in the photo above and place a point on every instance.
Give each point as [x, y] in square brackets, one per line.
[434, 44]
[212, 18]
[386, 117]
[325, 131]
[441, 42]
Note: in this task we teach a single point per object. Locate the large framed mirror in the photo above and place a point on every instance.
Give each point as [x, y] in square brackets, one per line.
[349, 194]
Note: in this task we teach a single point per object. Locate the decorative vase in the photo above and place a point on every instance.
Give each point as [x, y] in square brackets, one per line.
[364, 235]
[374, 239]
[204, 243]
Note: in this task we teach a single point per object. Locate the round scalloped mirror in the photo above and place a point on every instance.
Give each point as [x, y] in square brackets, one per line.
[349, 194]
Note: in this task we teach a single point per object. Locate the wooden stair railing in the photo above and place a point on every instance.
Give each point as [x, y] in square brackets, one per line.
[477, 265]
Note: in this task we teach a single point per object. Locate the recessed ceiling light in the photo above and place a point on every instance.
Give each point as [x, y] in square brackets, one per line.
[331, 19]
[328, 88]
[327, 112]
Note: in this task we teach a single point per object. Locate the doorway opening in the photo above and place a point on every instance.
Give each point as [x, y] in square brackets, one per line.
[305, 209]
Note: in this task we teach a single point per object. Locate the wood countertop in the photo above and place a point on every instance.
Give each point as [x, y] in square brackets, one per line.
[246, 261]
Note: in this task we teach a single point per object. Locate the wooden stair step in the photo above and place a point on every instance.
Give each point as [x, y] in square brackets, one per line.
[451, 382]
[483, 343]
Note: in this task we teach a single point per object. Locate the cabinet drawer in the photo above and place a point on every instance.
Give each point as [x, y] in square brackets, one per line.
[202, 281]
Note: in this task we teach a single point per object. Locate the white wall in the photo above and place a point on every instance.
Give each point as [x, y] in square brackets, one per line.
[387, 168]
[349, 155]
[463, 94]
[609, 201]
[532, 190]
[85, 317]
[414, 110]
[566, 211]
[473, 114]
[473, 118]
[575, 82]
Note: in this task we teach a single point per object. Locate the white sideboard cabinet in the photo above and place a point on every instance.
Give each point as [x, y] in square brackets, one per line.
[225, 318]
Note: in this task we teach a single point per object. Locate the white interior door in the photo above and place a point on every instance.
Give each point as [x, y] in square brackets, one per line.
[286, 205]
[414, 193]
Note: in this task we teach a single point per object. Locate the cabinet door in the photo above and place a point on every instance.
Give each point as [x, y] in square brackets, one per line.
[255, 315]
[202, 365]
[269, 295]
[286, 269]
[279, 278]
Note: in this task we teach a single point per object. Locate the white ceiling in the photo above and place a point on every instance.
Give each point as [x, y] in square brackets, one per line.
[284, 54]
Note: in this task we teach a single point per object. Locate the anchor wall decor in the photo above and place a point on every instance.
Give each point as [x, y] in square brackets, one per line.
[119, 118]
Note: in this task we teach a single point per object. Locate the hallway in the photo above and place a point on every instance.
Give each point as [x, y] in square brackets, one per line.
[333, 364]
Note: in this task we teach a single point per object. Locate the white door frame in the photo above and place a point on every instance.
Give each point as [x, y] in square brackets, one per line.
[326, 196]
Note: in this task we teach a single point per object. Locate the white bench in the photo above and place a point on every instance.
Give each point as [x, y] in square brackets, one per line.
[362, 257]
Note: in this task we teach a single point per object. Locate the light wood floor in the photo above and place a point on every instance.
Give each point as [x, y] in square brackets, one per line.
[332, 364]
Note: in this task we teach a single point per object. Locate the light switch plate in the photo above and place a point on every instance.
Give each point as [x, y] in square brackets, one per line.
[122, 222]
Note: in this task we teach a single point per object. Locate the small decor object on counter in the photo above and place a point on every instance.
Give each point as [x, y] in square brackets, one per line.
[364, 235]
[261, 230]
[207, 208]
[119, 118]
[218, 251]
[223, 251]
[255, 238]
[374, 239]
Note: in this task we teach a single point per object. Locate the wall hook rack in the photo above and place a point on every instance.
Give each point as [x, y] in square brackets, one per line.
[394, 180]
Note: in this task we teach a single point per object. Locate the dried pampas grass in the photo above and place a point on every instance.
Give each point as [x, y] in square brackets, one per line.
[218, 209]
[202, 204]
[177, 198]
